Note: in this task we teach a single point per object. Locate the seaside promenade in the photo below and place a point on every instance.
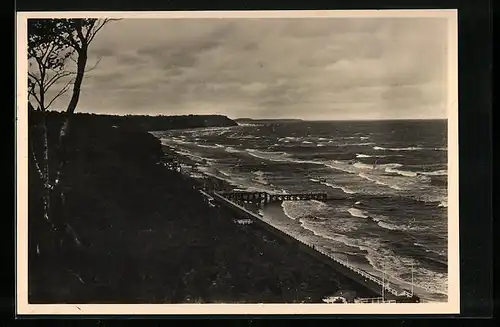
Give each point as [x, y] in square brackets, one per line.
[387, 291]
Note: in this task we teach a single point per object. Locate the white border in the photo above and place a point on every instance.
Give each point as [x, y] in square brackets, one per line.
[450, 307]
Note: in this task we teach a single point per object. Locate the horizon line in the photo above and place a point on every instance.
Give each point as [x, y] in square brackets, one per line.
[250, 118]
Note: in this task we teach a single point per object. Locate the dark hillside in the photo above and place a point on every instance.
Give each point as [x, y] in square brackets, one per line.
[147, 236]
[147, 123]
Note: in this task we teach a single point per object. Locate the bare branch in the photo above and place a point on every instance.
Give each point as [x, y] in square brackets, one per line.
[78, 28]
[57, 77]
[104, 22]
[91, 25]
[33, 93]
[46, 55]
[61, 92]
[35, 78]
[95, 66]
[71, 41]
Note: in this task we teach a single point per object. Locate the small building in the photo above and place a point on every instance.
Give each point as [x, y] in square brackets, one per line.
[342, 296]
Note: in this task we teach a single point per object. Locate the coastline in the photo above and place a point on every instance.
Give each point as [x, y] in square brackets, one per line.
[148, 236]
[265, 228]
[274, 216]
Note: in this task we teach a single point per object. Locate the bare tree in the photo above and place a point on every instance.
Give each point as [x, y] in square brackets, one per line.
[57, 52]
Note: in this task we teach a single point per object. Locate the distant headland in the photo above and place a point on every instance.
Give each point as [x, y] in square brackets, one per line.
[267, 121]
[148, 123]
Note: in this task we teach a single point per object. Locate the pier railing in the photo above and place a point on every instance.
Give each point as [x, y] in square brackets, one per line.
[364, 274]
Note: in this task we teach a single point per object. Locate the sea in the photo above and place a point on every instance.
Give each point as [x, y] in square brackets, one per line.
[386, 182]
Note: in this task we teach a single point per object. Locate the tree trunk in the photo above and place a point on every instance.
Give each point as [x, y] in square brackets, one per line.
[57, 198]
[81, 63]
[46, 172]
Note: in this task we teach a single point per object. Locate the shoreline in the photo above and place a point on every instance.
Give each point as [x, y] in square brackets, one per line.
[212, 182]
[366, 266]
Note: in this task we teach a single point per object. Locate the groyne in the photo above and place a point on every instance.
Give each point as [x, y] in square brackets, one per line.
[359, 276]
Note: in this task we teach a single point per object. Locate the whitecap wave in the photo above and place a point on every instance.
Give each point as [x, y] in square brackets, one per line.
[378, 182]
[216, 146]
[363, 166]
[343, 188]
[405, 173]
[443, 204]
[302, 209]
[193, 156]
[357, 213]
[442, 172]
[232, 150]
[410, 148]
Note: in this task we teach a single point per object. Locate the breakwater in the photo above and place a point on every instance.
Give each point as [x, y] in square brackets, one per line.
[361, 277]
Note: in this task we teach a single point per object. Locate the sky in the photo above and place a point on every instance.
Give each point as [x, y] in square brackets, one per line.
[306, 68]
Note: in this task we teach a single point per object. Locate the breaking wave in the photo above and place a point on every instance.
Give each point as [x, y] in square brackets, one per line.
[357, 213]
[411, 148]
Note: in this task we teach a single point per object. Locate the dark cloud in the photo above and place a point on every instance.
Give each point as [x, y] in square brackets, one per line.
[102, 52]
[130, 59]
[310, 68]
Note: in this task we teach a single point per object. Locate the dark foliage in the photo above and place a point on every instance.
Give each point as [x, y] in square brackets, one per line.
[143, 122]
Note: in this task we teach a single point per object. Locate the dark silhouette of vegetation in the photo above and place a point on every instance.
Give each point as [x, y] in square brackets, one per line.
[52, 45]
[146, 123]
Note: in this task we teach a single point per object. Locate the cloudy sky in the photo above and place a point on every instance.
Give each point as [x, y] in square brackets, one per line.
[309, 68]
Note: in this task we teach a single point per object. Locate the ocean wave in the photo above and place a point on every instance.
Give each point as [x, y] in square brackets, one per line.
[268, 155]
[361, 155]
[307, 142]
[232, 150]
[443, 204]
[382, 260]
[440, 252]
[344, 189]
[388, 168]
[405, 173]
[208, 171]
[260, 177]
[279, 157]
[224, 173]
[357, 213]
[411, 148]
[287, 139]
[196, 157]
[302, 209]
[316, 232]
[378, 182]
[216, 146]
[361, 165]
[351, 144]
[442, 172]
[175, 140]
[386, 262]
